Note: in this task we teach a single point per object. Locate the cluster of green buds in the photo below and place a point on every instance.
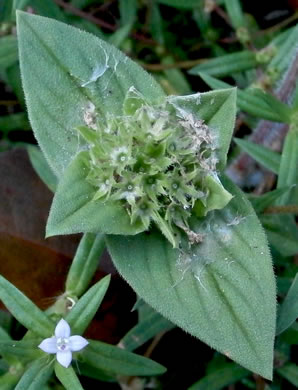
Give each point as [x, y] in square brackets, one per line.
[158, 161]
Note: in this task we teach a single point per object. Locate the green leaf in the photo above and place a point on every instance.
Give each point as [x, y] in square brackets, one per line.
[295, 98]
[290, 372]
[202, 20]
[288, 311]
[68, 377]
[23, 349]
[8, 381]
[114, 360]
[95, 373]
[222, 377]
[84, 310]
[264, 156]
[74, 211]
[226, 65]
[261, 202]
[288, 173]
[246, 100]
[82, 3]
[84, 263]
[90, 27]
[144, 331]
[216, 291]
[24, 310]
[8, 51]
[64, 75]
[283, 283]
[36, 375]
[157, 24]
[128, 11]
[286, 53]
[5, 11]
[20, 4]
[4, 367]
[219, 197]
[13, 122]
[235, 12]
[42, 168]
[4, 335]
[290, 336]
[45, 8]
[283, 110]
[176, 78]
[218, 110]
[282, 233]
[13, 78]
[180, 3]
[6, 321]
[119, 36]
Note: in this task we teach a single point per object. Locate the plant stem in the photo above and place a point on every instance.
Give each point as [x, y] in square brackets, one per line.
[154, 344]
[100, 22]
[288, 209]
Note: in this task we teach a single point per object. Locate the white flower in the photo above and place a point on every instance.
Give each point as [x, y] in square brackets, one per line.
[62, 344]
[121, 151]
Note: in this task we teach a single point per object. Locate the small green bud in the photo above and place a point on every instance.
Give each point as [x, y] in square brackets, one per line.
[273, 74]
[243, 35]
[265, 55]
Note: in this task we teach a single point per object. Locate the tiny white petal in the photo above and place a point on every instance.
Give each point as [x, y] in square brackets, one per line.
[49, 345]
[62, 329]
[64, 358]
[77, 343]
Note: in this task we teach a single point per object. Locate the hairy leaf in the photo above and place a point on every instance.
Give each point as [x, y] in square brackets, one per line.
[36, 375]
[84, 310]
[226, 65]
[153, 324]
[290, 372]
[114, 360]
[67, 377]
[246, 100]
[222, 377]
[288, 173]
[65, 75]
[221, 291]
[263, 155]
[288, 311]
[24, 310]
[74, 210]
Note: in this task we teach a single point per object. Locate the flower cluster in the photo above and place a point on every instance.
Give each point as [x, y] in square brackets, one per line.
[157, 161]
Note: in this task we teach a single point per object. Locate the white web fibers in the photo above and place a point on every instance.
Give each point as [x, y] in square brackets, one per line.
[109, 65]
[218, 236]
[98, 71]
[89, 113]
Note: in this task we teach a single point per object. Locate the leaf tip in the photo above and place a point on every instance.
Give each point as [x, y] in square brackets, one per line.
[50, 232]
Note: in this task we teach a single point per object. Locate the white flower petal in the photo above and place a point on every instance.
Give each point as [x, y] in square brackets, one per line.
[49, 345]
[76, 343]
[64, 358]
[62, 329]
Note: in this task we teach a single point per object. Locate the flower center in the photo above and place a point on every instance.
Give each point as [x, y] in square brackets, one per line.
[63, 344]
